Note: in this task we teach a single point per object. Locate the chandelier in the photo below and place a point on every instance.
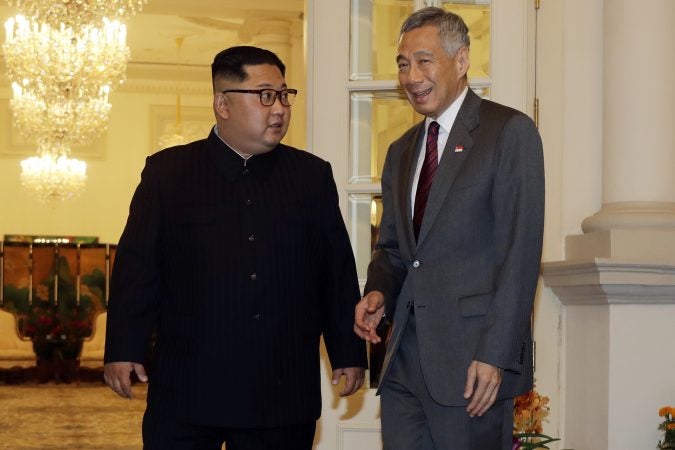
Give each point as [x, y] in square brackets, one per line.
[64, 57]
[77, 12]
[63, 116]
[62, 77]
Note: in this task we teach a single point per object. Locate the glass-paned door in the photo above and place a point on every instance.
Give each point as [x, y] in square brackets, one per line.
[378, 110]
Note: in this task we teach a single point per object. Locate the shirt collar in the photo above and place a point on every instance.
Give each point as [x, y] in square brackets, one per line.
[447, 117]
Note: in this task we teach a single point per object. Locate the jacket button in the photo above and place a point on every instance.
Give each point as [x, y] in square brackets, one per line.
[253, 276]
[251, 238]
[416, 264]
[256, 316]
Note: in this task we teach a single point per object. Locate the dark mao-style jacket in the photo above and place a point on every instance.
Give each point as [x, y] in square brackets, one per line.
[239, 267]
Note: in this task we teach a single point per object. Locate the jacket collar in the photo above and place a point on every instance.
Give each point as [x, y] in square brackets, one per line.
[232, 166]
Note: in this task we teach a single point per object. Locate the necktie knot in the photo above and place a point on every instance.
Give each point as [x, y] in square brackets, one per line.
[433, 132]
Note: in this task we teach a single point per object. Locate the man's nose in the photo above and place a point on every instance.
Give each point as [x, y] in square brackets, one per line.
[414, 73]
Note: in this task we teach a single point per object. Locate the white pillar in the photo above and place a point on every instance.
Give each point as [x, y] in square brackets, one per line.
[639, 116]
[617, 283]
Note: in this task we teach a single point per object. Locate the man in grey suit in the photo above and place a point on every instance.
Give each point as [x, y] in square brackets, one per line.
[457, 259]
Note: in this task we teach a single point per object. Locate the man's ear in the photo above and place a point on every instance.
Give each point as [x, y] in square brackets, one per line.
[462, 60]
[221, 105]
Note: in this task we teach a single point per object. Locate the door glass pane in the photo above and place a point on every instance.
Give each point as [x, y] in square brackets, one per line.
[375, 25]
[365, 214]
[476, 14]
[377, 119]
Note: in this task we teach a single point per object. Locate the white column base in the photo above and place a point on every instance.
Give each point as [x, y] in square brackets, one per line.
[622, 215]
[617, 288]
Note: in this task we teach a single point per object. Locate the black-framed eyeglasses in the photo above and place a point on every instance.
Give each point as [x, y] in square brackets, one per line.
[269, 96]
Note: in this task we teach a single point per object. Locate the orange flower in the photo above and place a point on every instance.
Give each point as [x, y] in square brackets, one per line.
[530, 410]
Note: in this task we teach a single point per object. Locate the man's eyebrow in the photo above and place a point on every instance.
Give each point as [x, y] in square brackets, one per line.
[417, 54]
[423, 53]
[270, 86]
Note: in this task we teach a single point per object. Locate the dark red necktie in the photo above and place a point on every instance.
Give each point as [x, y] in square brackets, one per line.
[426, 176]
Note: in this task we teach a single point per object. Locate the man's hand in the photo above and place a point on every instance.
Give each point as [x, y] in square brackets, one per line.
[367, 316]
[117, 376]
[482, 385]
[354, 377]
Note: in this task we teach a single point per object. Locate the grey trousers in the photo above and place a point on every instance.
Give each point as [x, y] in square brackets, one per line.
[412, 420]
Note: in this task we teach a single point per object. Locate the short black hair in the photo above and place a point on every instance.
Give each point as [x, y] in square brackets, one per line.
[230, 62]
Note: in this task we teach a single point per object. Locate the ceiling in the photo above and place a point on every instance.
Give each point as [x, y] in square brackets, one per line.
[206, 26]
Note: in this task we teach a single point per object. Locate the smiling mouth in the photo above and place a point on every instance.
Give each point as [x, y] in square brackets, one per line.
[422, 94]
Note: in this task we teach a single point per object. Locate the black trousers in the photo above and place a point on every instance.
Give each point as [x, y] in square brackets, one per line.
[163, 432]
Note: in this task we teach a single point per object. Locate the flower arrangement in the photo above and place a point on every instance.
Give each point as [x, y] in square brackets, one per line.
[668, 428]
[529, 412]
[57, 325]
[61, 327]
[51, 322]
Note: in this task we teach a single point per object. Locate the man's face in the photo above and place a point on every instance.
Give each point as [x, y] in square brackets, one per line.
[431, 78]
[246, 124]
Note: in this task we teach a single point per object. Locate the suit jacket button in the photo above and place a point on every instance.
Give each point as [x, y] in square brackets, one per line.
[256, 316]
[254, 276]
[416, 264]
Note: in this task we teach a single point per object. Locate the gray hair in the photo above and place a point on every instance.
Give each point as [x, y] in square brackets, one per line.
[452, 30]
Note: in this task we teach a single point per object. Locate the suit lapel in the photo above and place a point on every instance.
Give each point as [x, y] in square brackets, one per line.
[457, 149]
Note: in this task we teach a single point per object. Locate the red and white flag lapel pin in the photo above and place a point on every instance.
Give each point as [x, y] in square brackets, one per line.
[459, 148]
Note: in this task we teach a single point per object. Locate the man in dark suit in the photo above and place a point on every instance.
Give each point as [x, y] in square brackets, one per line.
[457, 260]
[236, 257]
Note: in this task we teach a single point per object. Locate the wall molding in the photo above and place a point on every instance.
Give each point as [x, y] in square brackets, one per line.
[604, 281]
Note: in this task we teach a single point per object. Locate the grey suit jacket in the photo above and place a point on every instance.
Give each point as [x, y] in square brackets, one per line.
[473, 273]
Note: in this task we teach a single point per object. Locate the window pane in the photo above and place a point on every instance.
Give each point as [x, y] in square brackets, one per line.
[375, 25]
[377, 119]
[476, 14]
[365, 214]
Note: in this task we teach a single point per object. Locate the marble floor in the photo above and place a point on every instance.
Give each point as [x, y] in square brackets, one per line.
[74, 416]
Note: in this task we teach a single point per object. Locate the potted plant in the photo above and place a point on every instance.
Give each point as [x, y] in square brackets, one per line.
[529, 412]
[668, 428]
